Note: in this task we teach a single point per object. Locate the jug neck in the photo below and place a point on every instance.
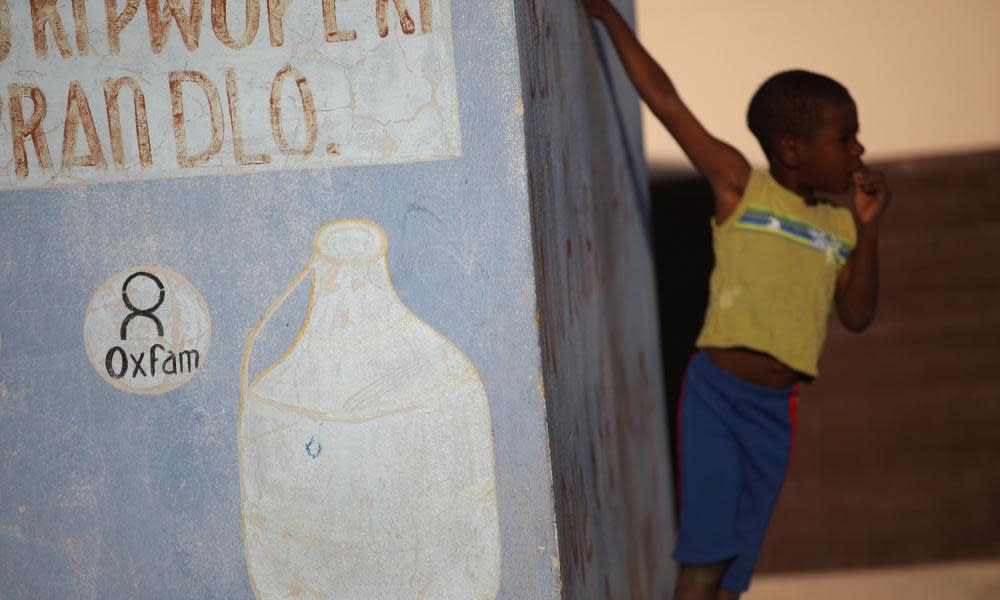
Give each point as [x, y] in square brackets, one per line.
[365, 283]
[351, 282]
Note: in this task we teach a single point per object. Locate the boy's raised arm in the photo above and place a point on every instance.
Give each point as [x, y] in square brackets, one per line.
[724, 167]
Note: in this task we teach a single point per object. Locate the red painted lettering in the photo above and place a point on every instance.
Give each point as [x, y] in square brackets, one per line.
[405, 20]
[184, 159]
[330, 23]
[159, 23]
[43, 12]
[21, 129]
[221, 26]
[4, 29]
[77, 114]
[308, 112]
[112, 87]
[234, 117]
[117, 21]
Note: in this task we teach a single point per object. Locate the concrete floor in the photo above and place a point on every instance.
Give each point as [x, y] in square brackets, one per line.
[979, 580]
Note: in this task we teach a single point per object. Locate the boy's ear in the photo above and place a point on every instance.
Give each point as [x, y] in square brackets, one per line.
[788, 151]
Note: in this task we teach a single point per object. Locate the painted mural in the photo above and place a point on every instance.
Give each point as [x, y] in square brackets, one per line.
[366, 450]
[147, 330]
[114, 90]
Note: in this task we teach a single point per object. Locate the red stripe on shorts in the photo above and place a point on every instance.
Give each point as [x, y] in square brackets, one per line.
[793, 420]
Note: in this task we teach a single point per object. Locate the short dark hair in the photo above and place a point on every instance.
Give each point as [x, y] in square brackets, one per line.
[789, 104]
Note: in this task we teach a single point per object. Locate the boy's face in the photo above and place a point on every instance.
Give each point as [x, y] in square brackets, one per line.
[833, 152]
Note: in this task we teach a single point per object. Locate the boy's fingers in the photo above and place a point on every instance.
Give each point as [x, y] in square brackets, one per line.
[866, 175]
[870, 181]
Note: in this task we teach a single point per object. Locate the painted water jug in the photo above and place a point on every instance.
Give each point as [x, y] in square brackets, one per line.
[366, 449]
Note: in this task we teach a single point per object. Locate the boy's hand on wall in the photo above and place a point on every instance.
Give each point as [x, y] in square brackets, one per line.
[871, 196]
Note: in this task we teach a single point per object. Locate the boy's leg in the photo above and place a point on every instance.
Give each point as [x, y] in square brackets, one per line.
[725, 594]
[735, 441]
[699, 582]
[710, 482]
[767, 437]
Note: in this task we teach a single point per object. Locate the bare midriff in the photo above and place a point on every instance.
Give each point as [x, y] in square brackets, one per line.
[755, 367]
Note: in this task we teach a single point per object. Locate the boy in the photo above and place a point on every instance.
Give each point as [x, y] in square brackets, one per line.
[783, 258]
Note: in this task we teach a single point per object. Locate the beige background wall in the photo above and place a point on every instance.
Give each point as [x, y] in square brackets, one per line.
[925, 73]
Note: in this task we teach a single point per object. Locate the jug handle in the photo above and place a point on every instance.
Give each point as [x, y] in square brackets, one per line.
[273, 308]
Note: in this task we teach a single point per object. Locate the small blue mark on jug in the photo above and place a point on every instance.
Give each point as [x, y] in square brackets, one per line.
[313, 447]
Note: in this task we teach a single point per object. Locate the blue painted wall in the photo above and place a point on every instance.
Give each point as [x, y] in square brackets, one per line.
[105, 494]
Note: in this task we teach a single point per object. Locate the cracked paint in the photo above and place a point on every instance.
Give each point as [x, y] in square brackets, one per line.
[365, 72]
[375, 425]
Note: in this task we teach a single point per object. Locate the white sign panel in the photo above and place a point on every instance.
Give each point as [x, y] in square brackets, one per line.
[110, 90]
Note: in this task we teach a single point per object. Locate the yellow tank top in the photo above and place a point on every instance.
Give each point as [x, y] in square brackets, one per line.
[776, 265]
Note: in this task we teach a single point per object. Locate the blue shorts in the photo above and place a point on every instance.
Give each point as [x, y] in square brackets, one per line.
[735, 444]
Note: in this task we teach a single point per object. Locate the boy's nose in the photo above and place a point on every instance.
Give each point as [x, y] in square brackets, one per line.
[858, 148]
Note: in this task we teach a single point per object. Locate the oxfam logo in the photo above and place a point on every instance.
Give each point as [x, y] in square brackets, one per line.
[147, 330]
